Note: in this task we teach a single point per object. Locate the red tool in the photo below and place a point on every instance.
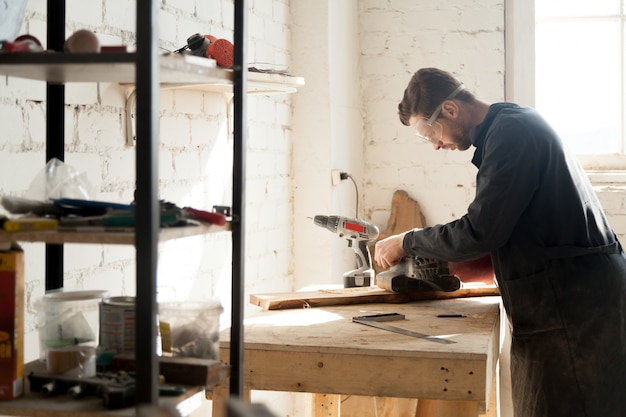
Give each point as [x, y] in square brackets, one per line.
[206, 216]
[23, 43]
[221, 50]
[195, 214]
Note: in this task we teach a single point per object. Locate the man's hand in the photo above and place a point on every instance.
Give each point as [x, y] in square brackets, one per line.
[389, 252]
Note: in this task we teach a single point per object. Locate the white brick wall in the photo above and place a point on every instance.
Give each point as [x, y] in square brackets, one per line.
[613, 199]
[194, 156]
[464, 37]
[356, 57]
[398, 37]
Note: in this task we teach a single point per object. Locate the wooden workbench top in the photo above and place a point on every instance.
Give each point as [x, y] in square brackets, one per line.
[330, 329]
[322, 350]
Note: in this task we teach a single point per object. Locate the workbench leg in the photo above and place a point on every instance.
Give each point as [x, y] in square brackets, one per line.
[440, 408]
[395, 407]
[219, 397]
[358, 406]
[492, 407]
[364, 406]
[326, 405]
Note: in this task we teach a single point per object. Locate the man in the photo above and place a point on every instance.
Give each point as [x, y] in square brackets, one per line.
[560, 268]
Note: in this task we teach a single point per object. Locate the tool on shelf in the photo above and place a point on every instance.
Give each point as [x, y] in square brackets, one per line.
[21, 44]
[27, 223]
[74, 213]
[196, 214]
[359, 233]
[209, 46]
[117, 388]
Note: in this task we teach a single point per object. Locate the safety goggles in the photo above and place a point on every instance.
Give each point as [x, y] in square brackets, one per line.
[429, 129]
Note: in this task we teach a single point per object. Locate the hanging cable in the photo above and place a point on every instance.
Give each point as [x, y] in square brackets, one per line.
[345, 175]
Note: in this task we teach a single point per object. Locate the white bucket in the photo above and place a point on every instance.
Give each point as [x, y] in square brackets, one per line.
[68, 324]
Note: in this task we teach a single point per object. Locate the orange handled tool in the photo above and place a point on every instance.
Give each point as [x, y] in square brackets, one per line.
[206, 216]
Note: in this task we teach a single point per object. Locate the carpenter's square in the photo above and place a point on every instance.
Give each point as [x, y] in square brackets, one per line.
[376, 320]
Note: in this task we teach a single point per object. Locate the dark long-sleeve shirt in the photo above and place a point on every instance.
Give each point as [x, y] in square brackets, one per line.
[560, 270]
[530, 195]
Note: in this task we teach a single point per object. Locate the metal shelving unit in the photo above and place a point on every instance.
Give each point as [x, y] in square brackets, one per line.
[175, 71]
[148, 71]
[240, 89]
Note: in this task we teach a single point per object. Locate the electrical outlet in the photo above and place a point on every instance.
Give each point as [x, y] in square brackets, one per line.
[335, 176]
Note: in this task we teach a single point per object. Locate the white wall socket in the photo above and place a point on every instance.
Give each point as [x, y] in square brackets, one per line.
[335, 176]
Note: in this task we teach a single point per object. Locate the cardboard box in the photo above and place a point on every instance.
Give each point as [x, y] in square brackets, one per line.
[11, 323]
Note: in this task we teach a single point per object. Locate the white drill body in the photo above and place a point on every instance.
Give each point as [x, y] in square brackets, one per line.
[359, 233]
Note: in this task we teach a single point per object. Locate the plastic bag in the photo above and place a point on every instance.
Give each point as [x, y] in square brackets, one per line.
[59, 180]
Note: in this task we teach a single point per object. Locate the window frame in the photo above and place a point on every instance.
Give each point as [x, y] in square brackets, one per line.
[520, 74]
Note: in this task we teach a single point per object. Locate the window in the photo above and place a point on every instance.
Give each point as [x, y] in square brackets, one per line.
[572, 54]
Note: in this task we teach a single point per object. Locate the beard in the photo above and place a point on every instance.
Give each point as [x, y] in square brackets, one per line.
[461, 138]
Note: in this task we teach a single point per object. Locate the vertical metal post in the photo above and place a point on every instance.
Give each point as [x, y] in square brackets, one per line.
[55, 129]
[147, 210]
[240, 89]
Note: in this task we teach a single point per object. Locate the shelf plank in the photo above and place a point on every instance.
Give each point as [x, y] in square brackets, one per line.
[258, 83]
[176, 71]
[101, 237]
[108, 67]
[35, 404]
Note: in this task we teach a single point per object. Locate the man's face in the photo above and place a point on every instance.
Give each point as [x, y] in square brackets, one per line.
[447, 131]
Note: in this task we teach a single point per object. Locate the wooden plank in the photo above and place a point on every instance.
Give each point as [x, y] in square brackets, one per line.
[219, 396]
[330, 329]
[359, 406]
[320, 350]
[450, 379]
[492, 406]
[179, 370]
[177, 71]
[107, 237]
[323, 351]
[432, 408]
[35, 404]
[360, 295]
[326, 405]
[405, 215]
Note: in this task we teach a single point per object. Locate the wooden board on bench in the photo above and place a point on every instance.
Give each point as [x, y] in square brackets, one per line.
[360, 295]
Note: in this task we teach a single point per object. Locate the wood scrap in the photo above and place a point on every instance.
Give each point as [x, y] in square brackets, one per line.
[405, 215]
[360, 295]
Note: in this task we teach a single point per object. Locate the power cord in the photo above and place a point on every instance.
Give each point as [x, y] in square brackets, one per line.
[345, 176]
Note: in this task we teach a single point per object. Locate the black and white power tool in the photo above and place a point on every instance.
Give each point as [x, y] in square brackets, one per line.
[417, 274]
[359, 233]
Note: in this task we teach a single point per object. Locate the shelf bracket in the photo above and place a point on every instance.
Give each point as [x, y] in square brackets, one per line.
[131, 128]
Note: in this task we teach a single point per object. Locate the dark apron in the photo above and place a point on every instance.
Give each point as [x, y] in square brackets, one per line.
[568, 345]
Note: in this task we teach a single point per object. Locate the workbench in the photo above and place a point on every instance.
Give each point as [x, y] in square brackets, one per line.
[322, 351]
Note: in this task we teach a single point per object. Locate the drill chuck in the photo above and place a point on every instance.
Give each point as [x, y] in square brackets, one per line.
[327, 222]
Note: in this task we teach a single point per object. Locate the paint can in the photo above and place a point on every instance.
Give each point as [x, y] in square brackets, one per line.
[117, 324]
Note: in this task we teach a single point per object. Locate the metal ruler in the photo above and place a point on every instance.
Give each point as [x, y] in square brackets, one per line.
[377, 320]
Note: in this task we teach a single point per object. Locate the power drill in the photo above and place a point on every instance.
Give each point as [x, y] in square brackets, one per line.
[361, 233]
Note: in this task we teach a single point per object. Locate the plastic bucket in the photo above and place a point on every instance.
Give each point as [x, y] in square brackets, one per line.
[68, 324]
[190, 329]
